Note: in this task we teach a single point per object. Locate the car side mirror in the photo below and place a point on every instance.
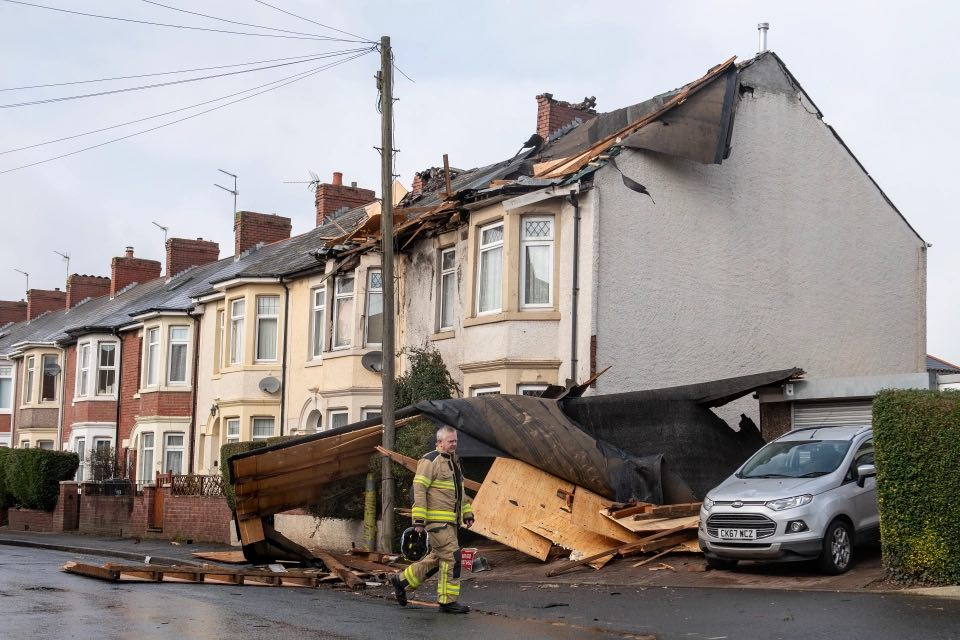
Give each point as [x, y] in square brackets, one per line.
[865, 471]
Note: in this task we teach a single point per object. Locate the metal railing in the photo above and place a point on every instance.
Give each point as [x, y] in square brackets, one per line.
[197, 485]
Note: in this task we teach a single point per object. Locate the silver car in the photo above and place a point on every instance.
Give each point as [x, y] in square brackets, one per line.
[809, 494]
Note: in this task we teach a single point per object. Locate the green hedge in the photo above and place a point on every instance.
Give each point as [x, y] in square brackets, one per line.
[917, 436]
[232, 449]
[33, 476]
[6, 498]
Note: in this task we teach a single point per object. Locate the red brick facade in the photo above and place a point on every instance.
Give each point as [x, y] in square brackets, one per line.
[183, 253]
[251, 228]
[12, 311]
[131, 350]
[40, 301]
[79, 288]
[82, 409]
[126, 269]
[554, 114]
[331, 197]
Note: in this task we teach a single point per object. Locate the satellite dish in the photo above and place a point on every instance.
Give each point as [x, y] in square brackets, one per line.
[372, 361]
[52, 369]
[269, 385]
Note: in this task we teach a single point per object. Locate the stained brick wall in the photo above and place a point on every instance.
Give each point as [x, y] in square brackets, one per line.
[81, 287]
[126, 269]
[251, 228]
[183, 253]
[334, 196]
[12, 311]
[41, 300]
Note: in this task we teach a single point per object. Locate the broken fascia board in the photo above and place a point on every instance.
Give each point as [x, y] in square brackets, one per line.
[539, 196]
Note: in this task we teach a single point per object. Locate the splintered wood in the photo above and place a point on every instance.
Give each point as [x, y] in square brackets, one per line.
[530, 510]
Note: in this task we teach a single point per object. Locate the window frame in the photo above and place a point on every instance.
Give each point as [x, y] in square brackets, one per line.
[229, 437]
[371, 292]
[485, 390]
[442, 304]
[171, 343]
[262, 317]
[171, 448]
[521, 388]
[253, 428]
[336, 412]
[219, 346]
[83, 370]
[116, 354]
[525, 244]
[9, 369]
[369, 412]
[481, 250]
[80, 448]
[151, 360]
[236, 330]
[339, 299]
[29, 365]
[43, 377]
[146, 475]
[318, 314]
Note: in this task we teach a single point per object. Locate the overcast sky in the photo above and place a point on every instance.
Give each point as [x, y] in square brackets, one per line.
[882, 73]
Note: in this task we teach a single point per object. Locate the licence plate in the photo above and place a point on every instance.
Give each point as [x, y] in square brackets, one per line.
[738, 534]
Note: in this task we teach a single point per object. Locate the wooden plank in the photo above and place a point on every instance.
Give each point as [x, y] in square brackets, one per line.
[652, 558]
[251, 531]
[228, 557]
[363, 565]
[668, 511]
[641, 507]
[515, 492]
[91, 571]
[657, 545]
[345, 574]
[411, 464]
[640, 526]
[586, 513]
[303, 465]
[558, 529]
[626, 548]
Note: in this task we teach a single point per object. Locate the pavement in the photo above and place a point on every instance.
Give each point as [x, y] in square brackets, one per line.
[672, 571]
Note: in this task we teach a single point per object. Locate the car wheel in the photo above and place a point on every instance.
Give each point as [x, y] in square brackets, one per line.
[721, 563]
[837, 554]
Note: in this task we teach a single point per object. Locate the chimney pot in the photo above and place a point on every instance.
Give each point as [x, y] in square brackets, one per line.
[353, 184]
[128, 252]
[337, 178]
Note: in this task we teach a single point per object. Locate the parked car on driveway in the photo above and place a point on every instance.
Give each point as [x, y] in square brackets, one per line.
[809, 494]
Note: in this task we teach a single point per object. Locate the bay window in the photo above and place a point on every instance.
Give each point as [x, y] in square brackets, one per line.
[374, 329]
[237, 309]
[319, 306]
[262, 428]
[51, 373]
[106, 369]
[83, 369]
[343, 311]
[152, 369]
[536, 261]
[490, 268]
[177, 356]
[30, 366]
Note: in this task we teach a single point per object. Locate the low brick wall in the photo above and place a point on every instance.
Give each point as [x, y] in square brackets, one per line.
[63, 517]
[111, 516]
[197, 518]
[31, 520]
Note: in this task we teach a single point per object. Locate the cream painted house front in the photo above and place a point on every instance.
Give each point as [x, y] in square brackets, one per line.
[39, 396]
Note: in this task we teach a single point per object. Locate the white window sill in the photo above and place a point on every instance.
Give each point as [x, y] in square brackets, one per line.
[506, 316]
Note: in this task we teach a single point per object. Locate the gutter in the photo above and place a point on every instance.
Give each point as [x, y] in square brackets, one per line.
[575, 290]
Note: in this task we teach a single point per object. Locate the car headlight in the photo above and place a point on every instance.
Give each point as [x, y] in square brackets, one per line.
[707, 504]
[790, 503]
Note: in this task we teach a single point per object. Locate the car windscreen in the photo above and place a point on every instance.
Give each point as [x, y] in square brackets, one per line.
[796, 459]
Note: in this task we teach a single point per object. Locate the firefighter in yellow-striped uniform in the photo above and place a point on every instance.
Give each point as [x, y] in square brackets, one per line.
[439, 506]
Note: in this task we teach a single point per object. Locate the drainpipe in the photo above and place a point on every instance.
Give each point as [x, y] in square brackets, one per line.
[575, 291]
[58, 445]
[283, 362]
[116, 426]
[193, 391]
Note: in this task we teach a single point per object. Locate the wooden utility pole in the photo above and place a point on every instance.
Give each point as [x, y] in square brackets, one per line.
[386, 234]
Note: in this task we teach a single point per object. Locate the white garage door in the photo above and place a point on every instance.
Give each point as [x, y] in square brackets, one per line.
[821, 414]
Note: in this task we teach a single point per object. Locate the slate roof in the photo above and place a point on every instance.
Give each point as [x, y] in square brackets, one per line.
[940, 366]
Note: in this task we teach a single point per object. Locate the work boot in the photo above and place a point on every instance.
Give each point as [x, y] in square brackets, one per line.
[399, 589]
[454, 607]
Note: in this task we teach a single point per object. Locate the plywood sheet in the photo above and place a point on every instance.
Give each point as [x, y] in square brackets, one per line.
[586, 513]
[513, 493]
[580, 541]
[659, 524]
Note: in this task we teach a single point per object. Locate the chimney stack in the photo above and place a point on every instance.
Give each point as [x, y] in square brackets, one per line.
[80, 288]
[553, 115]
[43, 300]
[13, 311]
[762, 29]
[125, 270]
[183, 253]
[251, 228]
[335, 196]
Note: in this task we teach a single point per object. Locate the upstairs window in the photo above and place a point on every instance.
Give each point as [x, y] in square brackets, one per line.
[28, 379]
[83, 369]
[218, 350]
[448, 283]
[536, 262]
[374, 330]
[153, 357]
[6, 387]
[51, 374]
[237, 309]
[490, 269]
[267, 318]
[343, 311]
[177, 357]
[317, 320]
[106, 368]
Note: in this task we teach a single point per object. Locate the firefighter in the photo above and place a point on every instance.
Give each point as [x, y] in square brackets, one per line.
[439, 506]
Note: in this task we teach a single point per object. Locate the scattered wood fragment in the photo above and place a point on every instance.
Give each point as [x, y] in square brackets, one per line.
[622, 549]
[652, 558]
[206, 574]
[227, 557]
[661, 567]
[338, 568]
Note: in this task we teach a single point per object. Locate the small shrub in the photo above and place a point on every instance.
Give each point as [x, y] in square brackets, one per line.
[6, 498]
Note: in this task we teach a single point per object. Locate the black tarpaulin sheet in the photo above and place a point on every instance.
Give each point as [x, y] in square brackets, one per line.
[537, 432]
[677, 423]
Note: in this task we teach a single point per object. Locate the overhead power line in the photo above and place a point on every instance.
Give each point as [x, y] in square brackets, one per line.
[159, 73]
[320, 24]
[158, 115]
[178, 26]
[163, 84]
[301, 76]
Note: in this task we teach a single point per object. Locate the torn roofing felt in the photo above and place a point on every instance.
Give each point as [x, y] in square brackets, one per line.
[535, 431]
[677, 422]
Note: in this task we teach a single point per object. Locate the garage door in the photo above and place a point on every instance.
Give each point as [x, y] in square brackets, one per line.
[832, 413]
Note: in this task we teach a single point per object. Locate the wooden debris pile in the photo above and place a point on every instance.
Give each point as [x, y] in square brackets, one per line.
[532, 511]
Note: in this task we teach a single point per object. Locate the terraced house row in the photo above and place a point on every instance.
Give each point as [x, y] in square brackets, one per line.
[712, 231]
